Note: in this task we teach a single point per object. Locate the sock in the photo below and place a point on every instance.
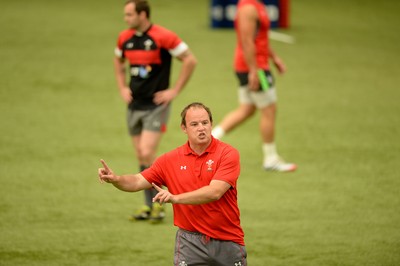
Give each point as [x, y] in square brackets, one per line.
[148, 193]
[218, 132]
[143, 167]
[269, 150]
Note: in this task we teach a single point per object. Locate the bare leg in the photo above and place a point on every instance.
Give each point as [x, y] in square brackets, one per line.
[236, 117]
[267, 123]
[146, 145]
[272, 161]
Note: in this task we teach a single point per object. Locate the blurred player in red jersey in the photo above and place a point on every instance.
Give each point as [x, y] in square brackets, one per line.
[257, 90]
[201, 177]
[148, 49]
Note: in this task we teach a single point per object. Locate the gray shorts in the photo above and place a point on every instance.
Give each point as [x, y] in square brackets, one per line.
[260, 99]
[197, 249]
[152, 120]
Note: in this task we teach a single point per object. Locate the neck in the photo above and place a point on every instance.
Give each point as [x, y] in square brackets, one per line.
[145, 26]
[199, 149]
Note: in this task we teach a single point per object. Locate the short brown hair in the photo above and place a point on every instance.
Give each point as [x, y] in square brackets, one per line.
[194, 105]
[140, 6]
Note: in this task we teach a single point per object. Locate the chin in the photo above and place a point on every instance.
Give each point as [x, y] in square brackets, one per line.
[204, 140]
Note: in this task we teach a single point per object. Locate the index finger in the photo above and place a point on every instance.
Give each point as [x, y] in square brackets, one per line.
[104, 164]
[156, 187]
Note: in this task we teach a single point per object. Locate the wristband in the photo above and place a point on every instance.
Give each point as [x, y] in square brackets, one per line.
[263, 80]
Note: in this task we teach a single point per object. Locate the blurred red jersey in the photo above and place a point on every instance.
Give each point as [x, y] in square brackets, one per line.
[261, 39]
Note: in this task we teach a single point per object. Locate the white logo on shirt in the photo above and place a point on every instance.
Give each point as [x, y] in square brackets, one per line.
[183, 167]
[147, 44]
[209, 164]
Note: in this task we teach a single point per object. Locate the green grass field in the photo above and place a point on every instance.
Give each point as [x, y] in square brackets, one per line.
[339, 119]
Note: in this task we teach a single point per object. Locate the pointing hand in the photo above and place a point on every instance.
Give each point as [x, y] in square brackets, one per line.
[163, 195]
[106, 174]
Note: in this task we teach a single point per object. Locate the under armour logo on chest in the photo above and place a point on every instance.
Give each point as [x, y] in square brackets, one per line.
[183, 167]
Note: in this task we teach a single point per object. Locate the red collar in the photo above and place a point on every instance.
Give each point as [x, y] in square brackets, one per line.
[210, 149]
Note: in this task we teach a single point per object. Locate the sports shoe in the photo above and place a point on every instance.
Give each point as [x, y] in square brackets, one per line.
[279, 165]
[157, 213]
[142, 214]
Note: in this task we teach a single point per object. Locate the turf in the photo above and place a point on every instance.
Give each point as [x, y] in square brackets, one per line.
[339, 119]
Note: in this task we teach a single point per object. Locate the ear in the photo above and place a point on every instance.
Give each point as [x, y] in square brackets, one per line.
[183, 127]
[142, 15]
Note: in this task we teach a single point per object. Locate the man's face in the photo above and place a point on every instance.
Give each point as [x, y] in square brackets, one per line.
[198, 126]
[131, 17]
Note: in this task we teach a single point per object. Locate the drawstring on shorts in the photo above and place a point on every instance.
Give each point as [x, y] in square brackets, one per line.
[205, 239]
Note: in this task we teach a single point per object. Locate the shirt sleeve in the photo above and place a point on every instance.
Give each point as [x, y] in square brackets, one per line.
[229, 168]
[155, 173]
[173, 43]
[181, 48]
[118, 51]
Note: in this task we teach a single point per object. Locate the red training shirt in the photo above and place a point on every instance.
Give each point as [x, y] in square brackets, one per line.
[181, 170]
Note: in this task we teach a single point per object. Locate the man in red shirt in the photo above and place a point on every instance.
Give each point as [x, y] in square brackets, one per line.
[148, 49]
[201, 177]
[256, 90]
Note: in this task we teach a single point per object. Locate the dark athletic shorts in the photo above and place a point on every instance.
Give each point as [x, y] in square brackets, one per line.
[197, 249]
[152, 120]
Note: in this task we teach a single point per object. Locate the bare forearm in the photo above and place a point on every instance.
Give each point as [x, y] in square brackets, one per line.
[200, 196]
[188, 65]
[206, 194]
[120, 73]
[278, 62]
[129, 183]
[272, 55]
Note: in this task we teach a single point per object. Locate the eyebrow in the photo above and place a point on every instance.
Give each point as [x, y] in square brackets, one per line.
[202, 121]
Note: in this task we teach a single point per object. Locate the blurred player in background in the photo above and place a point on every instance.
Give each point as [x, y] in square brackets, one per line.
[148, 49]
[257, 90]
[201, 177]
